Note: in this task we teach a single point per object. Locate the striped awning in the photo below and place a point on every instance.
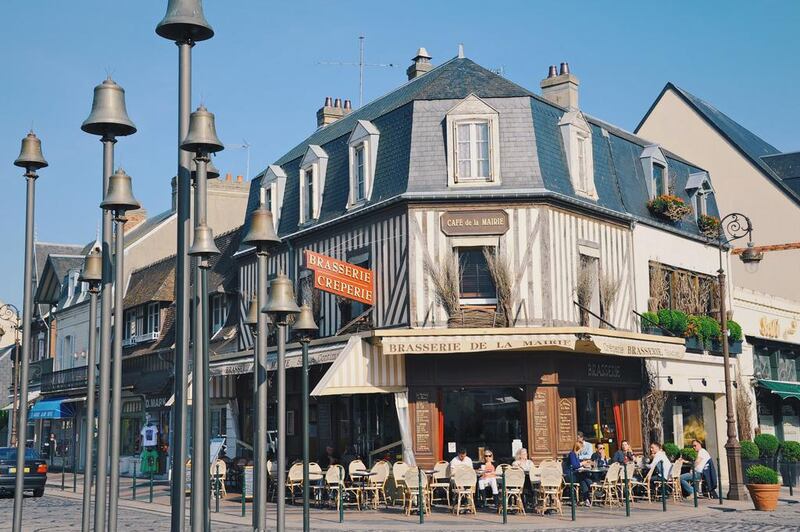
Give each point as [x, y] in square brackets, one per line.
[362, 368]
[219, 387]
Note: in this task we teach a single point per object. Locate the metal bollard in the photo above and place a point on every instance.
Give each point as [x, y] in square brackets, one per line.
[719, 485]
[572, 501]
[133, 488]
[243, 507]
[792, 472]
[694, 487]
[505, 509]
[420, 500]
[151, 485]
[63, 467]
[663, 486]
[74, 472]
[216, 509]
[626, 492]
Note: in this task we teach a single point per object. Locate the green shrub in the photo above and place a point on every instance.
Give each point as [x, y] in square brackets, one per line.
[704, 328]
[688, 454]
[674, 321]
[735, 331]
[767, 445]
[649, 319]
[672, 450]
[749, 450]
[759, 474]
[790, 451]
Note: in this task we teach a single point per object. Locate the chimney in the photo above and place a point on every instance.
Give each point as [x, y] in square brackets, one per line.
[134, 218]
[561, 87]
[421, 65]
[330, 112]
[239, 179]
[348, 107]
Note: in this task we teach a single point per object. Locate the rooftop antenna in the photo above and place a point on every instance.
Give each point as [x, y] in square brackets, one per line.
[361, 64]
[245, 146]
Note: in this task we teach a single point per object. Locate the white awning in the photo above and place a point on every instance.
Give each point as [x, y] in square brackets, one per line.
[32, 396]
[362, 368]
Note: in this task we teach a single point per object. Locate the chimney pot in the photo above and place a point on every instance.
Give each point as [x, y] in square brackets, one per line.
[420, 65]
[337, 103]
[552, 72]
[348, 105]
[228, 176]
[328, 101]
[564, 68]
[561, 89]
[238, 179]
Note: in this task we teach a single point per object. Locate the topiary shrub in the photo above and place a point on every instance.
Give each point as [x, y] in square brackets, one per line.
[672, 450]
[689, 454]
[649, 319]
[704, 328]
[735, 331]
[759, 474]
[790, 451]
[749, 450]
[674, 321]
[767, 445]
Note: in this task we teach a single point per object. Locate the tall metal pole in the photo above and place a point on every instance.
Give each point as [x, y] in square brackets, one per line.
[281, 520]
[116, 384]
[201, 218]
[306, 490]
[27, 315]
[260, 370]
[91, 367]
[105, 344]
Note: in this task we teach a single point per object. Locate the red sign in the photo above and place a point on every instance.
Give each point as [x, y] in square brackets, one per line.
[341, 278]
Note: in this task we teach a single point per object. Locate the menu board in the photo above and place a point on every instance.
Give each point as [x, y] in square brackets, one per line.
[324, 420]
[422, 417]
[541, 422]
[566, 425]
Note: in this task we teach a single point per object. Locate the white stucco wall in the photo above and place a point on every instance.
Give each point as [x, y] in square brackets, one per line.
[73, 321]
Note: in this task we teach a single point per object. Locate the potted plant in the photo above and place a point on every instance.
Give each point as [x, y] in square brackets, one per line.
[669, 207]
[672, 451]
[650, 324]
[790, 455]
[749, 453]
[674, 321]
[689, 454]
[703, 329]
[762, 483]
[734, 340]
[708, 225]
[768, 446]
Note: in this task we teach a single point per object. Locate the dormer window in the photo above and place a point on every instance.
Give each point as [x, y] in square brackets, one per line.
[312, 183]
[698, 187]
[577, 138]
[473, 140]
[656, 171]
[363, 148]
[273, 184]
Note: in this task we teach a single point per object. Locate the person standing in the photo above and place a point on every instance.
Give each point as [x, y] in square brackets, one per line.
[699, 465]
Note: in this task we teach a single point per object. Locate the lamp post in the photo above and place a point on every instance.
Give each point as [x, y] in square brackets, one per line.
[263, 237]
[7, 311]
[201, 140]
[119, 199]
[305, 328]
[31, 159]
[280, 306]
[185, 24]
[92, 274]
[733, 227]
[109, 120]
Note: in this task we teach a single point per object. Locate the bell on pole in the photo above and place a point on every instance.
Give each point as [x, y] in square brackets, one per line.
[185, 20]
[119, 197]
[30, 155]
[262, 230]
[92, 267]
[251, 318]
[202, 135]
[203, 245]
[304, 325]
[281, 298]
[109, 116]
[212, 172]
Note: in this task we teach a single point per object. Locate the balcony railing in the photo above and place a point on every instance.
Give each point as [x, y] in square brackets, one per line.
[67, 379]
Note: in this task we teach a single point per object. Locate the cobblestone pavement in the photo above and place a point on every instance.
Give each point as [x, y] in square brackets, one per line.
[61, 511]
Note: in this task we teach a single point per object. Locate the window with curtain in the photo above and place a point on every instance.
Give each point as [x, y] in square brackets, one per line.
[477, 285]
[153, 318]
[472, 151]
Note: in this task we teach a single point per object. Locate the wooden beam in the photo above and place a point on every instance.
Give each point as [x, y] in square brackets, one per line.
[772, 247]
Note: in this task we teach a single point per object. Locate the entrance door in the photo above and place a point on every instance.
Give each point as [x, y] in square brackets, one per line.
[599, 413]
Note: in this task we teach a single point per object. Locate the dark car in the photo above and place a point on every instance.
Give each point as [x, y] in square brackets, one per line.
[35, 473]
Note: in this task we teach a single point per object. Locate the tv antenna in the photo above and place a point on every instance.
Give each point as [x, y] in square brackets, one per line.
[361, 64]
[245, 146]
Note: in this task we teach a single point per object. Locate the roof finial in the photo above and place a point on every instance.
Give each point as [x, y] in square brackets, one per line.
[461, 50]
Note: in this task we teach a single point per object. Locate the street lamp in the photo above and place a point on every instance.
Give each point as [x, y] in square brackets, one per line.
[31, 159]
[305, 328]
[92, 274]
[263, 237]
[280, 306]
[109, 120]
[185, 24]
[201, 140]
[733, 227]
[7, 312]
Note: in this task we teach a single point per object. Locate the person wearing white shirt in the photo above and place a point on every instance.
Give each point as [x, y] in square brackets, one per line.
[699, 465]
[658, 456]
[587, 450]
[461, 459]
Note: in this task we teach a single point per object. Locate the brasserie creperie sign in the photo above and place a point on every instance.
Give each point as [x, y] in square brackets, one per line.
[341, 278]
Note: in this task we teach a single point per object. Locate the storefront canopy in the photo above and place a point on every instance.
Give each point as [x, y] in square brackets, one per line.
[53, 408]
[783, 389]
[361, 368]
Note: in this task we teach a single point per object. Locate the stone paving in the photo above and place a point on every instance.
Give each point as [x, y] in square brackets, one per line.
[60, 511]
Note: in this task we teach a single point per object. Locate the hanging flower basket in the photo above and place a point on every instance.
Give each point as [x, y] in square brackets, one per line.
[669, 207]
[708, 225]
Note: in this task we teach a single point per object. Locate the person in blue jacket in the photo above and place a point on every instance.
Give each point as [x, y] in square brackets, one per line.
[575, 467]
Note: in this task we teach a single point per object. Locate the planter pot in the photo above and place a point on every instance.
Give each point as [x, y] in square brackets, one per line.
[650, 329]
[790, 473]
[693, 343]
[764, 496]
[734, 348]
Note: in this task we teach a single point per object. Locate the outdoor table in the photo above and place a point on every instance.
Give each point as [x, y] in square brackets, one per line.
[361, 477]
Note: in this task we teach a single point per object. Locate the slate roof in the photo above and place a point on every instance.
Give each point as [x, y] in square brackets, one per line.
[619, 176]
[154, 282]
[146, 226]
[51, 286]
[787, 167]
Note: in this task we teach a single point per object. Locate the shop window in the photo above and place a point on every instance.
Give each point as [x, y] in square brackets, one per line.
[599, 414]
[219, 312]
[477, 285]
[349, 308]
[766, 363]
[690, 417]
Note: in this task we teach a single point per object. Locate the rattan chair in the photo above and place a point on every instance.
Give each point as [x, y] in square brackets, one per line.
[399, 469]
[643, 486]
[441, 482]
[294, 480]
[316, 480]
[375, 489]
[464, 481]
[551, 488]
[608, 488]
[413, 478]
[334, 484]
[514, 483]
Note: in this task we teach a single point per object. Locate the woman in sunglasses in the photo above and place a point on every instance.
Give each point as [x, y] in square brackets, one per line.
[488, 476]
[600, 456]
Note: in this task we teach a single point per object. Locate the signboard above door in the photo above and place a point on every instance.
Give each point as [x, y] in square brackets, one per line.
[458, 223]
[341, 278]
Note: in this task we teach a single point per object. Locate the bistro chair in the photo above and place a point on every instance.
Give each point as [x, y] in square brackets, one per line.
[515, 482]
[294, 479]
[644, 487]
[441, 482]
[334, 484]
[464, 480]
[550, 489]
[608, 488]
[272, 479]
[413, 478]
[352, 467]
[631, 467]
[399, 474]
[316, 480]
[219, 471]
[375, 488]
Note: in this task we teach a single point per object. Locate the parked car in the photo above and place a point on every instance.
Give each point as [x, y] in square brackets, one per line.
[35, 471]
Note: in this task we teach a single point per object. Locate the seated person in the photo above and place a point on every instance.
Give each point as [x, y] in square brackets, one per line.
[699, 465]
[329, 458]
[574, 467]
[488, 477]
[600, 458]
[461, 459]
[586, 447]
[624, 454]
[522, 461]
[658, 456]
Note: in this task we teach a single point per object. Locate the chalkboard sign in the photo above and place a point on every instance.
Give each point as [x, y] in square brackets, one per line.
[248, 482]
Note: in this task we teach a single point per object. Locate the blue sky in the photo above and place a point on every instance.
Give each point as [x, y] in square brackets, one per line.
[261, 76]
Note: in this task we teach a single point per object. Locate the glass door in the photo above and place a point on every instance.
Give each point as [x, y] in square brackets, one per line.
[599, 413]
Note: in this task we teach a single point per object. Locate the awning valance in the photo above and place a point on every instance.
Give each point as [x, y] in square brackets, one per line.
[362, 368]
[53, 408]
[783, 389]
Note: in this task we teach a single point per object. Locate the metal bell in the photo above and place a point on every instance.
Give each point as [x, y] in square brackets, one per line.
[262, 230]
[92, 267]
[281, 298]
[251, 318]
[119, 196]
[211, 171]
[109, 115]
[203, 245]
[185, 20]
[30, 155]
[202, 135]
[304, 324]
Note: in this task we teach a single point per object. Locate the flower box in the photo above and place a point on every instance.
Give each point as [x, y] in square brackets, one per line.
[669, 207]
[693, 343]
[652, 329]
[734, 348]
